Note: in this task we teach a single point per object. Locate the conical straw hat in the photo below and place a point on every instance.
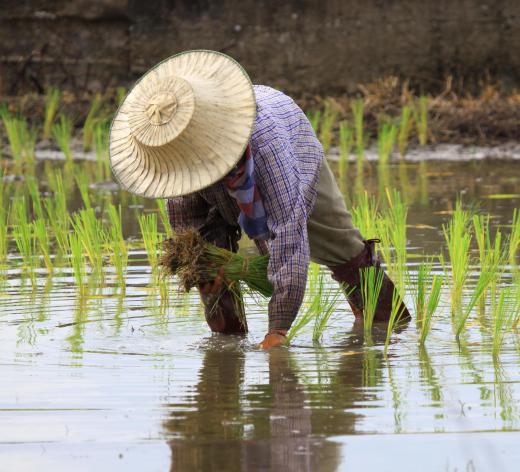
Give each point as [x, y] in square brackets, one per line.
[183, 126]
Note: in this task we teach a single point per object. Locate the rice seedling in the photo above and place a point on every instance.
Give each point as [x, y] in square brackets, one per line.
[90, 121]
[394, 321]
[58, 215]
[424, 197]
[405, 127]
[196, 261]
[420, 115]
[163, 215]
[327, 123]
[34, 192]
[151, 237]
[506, 312]
[319, 306]
[385, 142]
[325, 303]
[358, 108]
[345, 147]
[458, 240]
[119, 254]
[314, 117]
[486, 277]
[52, 100]
[120, 94]
[365, 214]
[101, 146]
[23, 236]
[77, 260]
[92, 235]
[432, 304]
[82, 181]
[4, 242]
[42, 242]
[514, 237]
[371, 283]
[428, 373]
[13, 133]
[22, 138]
[490, 254]
[62, 133]
[391, 229]
[418, 287]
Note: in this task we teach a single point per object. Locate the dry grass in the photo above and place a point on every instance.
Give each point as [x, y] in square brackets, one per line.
[489, 115]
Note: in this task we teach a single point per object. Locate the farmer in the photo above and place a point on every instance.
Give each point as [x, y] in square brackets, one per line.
[231, 158]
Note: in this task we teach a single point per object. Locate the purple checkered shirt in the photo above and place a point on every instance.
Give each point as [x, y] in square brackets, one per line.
[287, 158]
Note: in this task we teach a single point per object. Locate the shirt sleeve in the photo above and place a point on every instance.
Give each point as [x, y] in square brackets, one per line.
[278, 179]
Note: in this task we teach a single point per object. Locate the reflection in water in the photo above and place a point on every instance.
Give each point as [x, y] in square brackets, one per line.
[84, 370]
[218, 431]
[279, 425]
[429, 375]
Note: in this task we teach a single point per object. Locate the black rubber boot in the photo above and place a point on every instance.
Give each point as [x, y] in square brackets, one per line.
[348, 275]
[224, 311]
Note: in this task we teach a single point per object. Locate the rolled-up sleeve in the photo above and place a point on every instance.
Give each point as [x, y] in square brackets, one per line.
[278, 178]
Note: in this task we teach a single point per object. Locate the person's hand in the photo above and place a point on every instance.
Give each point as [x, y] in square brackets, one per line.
[212, 288]
[273, 340]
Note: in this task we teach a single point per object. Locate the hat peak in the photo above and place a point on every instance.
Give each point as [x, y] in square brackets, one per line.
[161, 108]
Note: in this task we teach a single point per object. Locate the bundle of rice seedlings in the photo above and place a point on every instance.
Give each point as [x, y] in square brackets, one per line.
[196, 262]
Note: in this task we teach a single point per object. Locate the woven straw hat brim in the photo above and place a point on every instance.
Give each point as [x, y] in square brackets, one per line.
[183, 126]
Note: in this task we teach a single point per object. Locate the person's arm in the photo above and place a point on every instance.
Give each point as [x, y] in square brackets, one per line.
[279, 184]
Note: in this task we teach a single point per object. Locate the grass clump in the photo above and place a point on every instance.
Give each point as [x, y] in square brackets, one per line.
[196, 262]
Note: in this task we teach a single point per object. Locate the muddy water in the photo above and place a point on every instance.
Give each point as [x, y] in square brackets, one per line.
[127, 381]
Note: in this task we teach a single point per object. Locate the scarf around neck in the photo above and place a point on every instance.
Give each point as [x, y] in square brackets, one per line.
[240, 184]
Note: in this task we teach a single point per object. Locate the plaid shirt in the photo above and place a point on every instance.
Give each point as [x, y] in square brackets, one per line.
[287, 157]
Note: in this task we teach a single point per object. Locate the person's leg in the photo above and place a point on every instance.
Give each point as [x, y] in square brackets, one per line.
[224, 310]
[335, 242]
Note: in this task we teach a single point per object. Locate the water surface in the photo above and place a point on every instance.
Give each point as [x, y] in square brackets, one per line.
[134, 381]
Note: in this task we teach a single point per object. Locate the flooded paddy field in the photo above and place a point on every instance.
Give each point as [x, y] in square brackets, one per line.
[108, 366]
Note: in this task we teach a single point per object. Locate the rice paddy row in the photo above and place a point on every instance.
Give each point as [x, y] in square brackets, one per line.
[40, 232]
[57, 128]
